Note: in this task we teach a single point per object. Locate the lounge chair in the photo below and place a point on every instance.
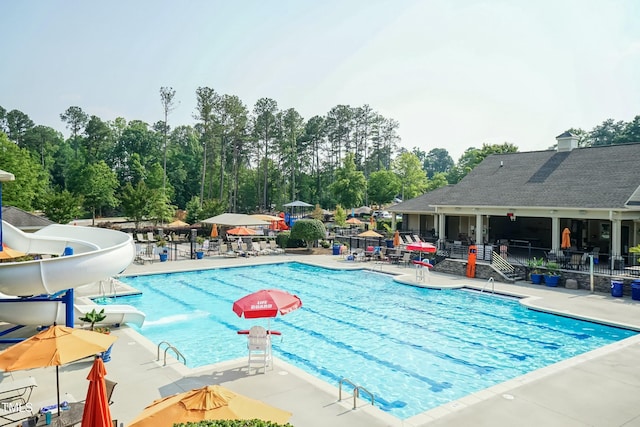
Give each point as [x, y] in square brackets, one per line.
[275, 248]
[259, 345]
[257, 250]
[417, 238]
[225, 251]
[140, 238]
[264, 249]
[150, 236]
[14, 396]
[406, 258]
[111, 385]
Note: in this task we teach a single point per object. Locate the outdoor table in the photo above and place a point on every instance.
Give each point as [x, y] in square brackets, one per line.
[69, 417]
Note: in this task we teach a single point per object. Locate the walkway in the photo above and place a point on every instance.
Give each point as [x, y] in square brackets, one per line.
[599, 388]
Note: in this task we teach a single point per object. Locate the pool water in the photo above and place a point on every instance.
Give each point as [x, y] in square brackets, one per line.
[413, 348]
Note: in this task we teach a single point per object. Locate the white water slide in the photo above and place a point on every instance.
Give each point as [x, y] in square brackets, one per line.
[98, 254]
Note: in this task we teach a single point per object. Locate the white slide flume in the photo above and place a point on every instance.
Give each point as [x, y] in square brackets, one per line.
[98, 254]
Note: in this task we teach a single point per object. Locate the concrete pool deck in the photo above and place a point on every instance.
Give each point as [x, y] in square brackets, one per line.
[599, 388]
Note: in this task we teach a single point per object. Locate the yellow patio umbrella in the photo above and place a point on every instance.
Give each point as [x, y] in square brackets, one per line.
[265, 217]
[354, 221]
[178, 223]
[211, 402]
[54, 346]
[8, 253]
[369, 233]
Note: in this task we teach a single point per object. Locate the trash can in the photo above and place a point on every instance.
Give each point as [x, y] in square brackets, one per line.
[635, 290]
[336, 249]
[616, 288]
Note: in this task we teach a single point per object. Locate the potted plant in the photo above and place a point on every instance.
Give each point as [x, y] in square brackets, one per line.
[164, 252]
[94, 317]
[535, 265]
[199, 251]
[552, 278]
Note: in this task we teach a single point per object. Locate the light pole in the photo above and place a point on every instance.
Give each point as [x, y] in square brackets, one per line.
[4, 176]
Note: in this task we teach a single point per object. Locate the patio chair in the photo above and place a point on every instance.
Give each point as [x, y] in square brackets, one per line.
[259, 345]
[14, 396]
[111, 385]
[140, 238]
[275, 248]
[406, 258]
[225, 251]
[150, 236]
[264, 249]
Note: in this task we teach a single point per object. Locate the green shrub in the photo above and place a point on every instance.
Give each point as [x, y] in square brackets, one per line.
[325, 244]
[282, 239]
[232, 423]
[308, 230]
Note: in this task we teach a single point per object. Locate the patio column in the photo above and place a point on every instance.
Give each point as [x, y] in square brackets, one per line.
[555, 233]
[479, 237]
[616, 232]
[441, 229]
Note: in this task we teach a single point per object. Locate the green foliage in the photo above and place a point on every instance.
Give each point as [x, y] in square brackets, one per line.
[383, 186]
[317, 213]
[308, 230]
[552, 268]
[340, 216]
[98, 187]
[62, 207]
[232, 423]
[94, 317]
[412, 177]
[535, 265]
[282, 239]
[31, 180]
[350, 184]
[194, 211]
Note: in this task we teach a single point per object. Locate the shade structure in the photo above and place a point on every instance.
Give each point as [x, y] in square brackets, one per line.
[96, 408]
[234, 220]
[422, 247]
[566, 238]
[8, 253]
[177, 223]
[354, 221]
[396, 238]
[362, 210]
[266, 303]
[214, 231]
[369, 233]
[298, 204]
[242, 231]
[212, 402]
[54, 346]
[265, 217]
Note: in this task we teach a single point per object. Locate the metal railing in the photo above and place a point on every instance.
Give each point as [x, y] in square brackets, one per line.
[169, 347]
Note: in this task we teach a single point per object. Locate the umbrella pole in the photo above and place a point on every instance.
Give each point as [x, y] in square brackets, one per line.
[58, 388]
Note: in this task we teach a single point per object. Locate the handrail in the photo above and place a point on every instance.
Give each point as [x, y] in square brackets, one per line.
[501, 264]
[492, 281]
[169, 347]
[342, 381]
[357, 393]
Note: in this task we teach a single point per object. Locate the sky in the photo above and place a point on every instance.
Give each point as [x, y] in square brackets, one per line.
[454, 74]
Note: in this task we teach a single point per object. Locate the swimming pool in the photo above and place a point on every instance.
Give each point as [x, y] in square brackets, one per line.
[413, 348]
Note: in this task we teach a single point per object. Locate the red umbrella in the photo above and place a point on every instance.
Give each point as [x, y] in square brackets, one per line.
[96, 407]
[266, 303]
[422, 247]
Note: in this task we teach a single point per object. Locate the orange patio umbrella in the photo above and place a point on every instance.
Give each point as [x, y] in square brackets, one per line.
[211, 402]
[96, 408]
[214, 231]
[242, 231]
[8, 253]
[566, 238]
[54, 346]
[396, 238]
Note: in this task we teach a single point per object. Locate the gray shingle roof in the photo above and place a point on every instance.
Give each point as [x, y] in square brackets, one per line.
[22, 219]
[606, 177]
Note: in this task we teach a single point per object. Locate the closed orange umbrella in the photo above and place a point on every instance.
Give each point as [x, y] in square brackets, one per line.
[566, 239]
[396, 238]
[96, 408]
[54, 346]
[214, 231]
[211, 402]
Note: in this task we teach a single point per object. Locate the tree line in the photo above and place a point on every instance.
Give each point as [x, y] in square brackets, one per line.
[230, 159]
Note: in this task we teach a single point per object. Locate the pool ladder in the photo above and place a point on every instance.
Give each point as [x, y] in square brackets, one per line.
[170, 347]
[493, 290]
[112, 288]
[356, 391]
